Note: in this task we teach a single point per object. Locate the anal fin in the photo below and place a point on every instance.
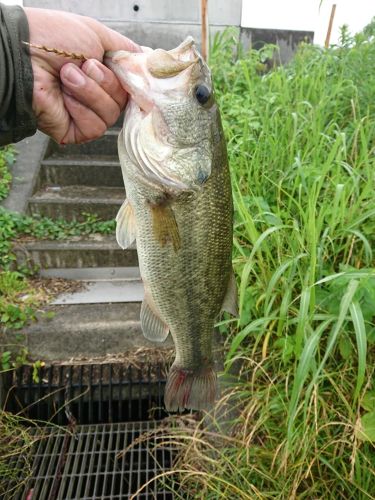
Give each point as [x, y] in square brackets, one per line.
[153, 327]
[126, 229]
[230, 303]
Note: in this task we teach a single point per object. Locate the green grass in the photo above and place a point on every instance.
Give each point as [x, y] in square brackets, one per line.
[301, 145]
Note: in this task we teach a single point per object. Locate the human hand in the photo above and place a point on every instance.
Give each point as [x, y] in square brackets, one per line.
[74, 102]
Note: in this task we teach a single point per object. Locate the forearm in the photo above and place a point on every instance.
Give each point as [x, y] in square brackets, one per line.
[17, 119]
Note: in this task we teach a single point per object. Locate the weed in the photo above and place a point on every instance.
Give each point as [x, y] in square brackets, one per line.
[7, 158]
[16, 441]
[301, 149]
[17, 303]
[15, 225]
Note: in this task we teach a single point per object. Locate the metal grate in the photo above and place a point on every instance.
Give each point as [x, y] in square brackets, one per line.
[88, 394]
[105, 408]
[88, 464]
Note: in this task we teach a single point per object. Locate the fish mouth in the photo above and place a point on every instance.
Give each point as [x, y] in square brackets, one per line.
[159, 62]
[167, 64]
[151, 72]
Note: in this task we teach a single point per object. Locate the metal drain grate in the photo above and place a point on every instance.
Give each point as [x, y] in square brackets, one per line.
[106, 407]
[95, 393]
[87, 464]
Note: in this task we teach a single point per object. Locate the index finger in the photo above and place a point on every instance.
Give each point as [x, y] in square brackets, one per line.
[106, 79]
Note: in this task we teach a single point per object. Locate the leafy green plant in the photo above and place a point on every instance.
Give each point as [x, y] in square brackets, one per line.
[7, 158]
[6, 360]
[16, 300]
[18, 305]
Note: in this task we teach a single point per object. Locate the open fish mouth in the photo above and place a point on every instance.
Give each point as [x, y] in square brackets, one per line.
[153, 71]
[159, 62]
[167, 64]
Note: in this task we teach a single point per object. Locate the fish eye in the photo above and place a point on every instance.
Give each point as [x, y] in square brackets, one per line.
[202, 94]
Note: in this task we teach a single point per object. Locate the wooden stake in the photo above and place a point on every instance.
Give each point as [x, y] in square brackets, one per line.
[204, 16]
[328, 37]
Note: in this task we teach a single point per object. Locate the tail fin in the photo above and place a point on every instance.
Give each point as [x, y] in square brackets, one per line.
[190, 389]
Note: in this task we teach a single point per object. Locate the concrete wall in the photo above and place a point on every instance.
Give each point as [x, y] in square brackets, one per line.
[155, 23]
[165, 23]
[287, 40]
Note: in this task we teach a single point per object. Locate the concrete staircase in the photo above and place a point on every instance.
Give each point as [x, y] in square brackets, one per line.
[101, 318]
[77, 179]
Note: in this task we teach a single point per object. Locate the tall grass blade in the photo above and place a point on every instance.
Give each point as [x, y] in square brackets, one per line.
[303, 369]
[342, 317]
[361, 337]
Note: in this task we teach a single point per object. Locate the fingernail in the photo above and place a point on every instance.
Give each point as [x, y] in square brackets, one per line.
[93, 71]
[74, 76]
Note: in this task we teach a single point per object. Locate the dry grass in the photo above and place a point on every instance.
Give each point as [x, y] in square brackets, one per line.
[16, 441]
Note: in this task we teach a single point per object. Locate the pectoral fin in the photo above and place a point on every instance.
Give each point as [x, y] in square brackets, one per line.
[230, 303]
[153, 327]
[126, 230]
[165, 226]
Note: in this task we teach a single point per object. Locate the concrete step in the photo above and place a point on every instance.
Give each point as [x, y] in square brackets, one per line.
[96, 250]
[65, 172]
[93, 273]
[90, 330]
[69, 202]
[99, 285]
[105, 291]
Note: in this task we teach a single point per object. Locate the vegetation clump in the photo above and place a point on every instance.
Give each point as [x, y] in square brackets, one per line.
[14, 226]
[7, 158]
[301, 144]
[16, 441]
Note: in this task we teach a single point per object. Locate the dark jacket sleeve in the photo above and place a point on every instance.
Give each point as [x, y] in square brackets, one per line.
[17, 119]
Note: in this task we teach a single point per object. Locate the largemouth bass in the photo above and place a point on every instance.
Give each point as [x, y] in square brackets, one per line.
[178, 210]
